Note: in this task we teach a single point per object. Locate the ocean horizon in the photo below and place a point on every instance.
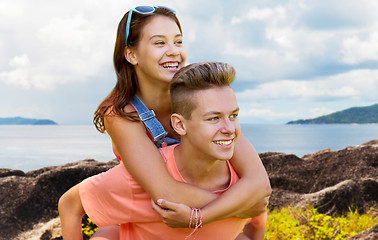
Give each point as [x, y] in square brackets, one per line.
[28, 147]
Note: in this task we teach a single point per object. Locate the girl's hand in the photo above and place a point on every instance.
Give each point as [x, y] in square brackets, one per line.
[175, 215]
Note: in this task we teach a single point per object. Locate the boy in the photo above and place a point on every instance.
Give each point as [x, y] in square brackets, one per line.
[205, 115]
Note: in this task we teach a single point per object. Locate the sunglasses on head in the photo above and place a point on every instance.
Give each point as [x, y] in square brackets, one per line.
[141, 10]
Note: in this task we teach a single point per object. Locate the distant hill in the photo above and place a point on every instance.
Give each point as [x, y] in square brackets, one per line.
[26, 121]
[351, 115]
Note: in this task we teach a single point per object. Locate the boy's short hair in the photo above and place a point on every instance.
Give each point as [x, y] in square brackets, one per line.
[194, 77]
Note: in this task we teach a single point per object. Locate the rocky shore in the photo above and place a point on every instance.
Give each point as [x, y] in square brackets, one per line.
[330, 180]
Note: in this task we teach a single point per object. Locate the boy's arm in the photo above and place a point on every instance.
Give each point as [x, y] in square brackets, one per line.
[251, 233]
[255, 230]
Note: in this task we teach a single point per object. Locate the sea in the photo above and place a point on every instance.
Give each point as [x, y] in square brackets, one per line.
[28, 147]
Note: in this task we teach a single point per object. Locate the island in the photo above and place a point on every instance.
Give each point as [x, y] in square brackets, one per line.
[359, 115]
[26, 121]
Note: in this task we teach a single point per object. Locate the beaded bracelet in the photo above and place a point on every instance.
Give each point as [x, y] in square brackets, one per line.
[196, 212]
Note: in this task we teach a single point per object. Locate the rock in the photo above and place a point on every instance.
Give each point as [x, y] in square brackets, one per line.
[320, 170]
[43, 231]
[32, 198]
[370, 234]
[338, 198]
[332, 181]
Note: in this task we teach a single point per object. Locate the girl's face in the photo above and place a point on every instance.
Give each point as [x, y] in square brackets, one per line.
[160, 53]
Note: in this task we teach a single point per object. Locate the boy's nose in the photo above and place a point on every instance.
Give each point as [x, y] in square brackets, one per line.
[228, 126]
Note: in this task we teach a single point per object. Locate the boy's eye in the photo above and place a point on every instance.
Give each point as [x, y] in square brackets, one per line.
[235, 115]
[213, 118]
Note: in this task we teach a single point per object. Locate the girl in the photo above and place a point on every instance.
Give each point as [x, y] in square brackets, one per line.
[148, 51]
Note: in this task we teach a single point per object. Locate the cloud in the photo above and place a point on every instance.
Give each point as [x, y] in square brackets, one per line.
[355, 50]
[331, 16]
[321, 54]
[357, 84]
[20, 61]
[261, 14]
[268, 113]
[265, 113]
[58, 46]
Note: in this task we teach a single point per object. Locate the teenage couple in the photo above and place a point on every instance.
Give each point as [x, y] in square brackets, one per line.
[207, 186]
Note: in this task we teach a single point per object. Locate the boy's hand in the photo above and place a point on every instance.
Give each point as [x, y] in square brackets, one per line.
[174, 215]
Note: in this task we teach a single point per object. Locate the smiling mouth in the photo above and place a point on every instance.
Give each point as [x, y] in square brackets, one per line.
[171, 65]
[224, 142]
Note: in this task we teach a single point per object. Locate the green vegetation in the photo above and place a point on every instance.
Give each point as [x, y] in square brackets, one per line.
[297, 223]
[88, 227]
[352, 115]
[25, 121]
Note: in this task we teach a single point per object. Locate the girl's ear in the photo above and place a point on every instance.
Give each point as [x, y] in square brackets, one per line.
[130, 55]
[178, 124]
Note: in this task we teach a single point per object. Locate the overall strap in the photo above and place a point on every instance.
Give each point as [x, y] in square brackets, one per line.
[153, 126]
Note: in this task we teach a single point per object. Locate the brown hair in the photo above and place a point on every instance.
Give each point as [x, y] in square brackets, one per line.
[197, 76]
[127, 80]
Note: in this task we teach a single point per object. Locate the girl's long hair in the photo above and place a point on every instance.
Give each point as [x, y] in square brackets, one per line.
[127, 80]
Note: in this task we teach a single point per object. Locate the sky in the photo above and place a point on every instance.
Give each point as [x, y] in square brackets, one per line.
[294, 59]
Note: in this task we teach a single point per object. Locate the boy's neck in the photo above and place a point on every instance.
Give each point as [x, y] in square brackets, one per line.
[209, 174]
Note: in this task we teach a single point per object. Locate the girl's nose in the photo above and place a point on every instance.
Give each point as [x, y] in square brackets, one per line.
[173, 50]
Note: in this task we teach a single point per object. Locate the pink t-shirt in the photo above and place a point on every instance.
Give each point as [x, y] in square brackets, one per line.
[129, 204]
[144, 228]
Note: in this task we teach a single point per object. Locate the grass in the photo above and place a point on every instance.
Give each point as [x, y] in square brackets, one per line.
[298, 223]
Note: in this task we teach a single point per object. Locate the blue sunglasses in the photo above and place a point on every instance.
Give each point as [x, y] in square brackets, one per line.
[141, 10]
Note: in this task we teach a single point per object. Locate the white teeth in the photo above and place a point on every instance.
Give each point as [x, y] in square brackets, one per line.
[223, 142]
[170, 65]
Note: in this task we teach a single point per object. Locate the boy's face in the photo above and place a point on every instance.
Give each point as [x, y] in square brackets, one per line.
[214, 126]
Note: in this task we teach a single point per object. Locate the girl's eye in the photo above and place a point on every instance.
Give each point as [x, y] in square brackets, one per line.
[179, 42]
[159, 43]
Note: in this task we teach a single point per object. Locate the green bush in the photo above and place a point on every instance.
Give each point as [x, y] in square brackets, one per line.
[88, 227]
[297, 223]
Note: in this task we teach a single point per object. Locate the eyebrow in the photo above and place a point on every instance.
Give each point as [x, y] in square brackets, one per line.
[217, 113]
[162, 36]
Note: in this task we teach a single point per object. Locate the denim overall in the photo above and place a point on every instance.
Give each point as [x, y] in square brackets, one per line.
[153, 126]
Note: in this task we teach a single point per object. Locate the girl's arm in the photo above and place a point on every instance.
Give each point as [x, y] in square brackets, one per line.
[252, 187]
[144, 162]
[252, 193]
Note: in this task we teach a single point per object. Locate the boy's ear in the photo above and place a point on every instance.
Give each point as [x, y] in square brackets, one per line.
[178, 123]
[130, 55]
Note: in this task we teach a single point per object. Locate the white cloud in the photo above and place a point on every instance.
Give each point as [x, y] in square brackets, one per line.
[20, 61]
[66, 48]
[356, 50]
[268, 113]
[47, 45]
[265, 112]
[319, 111]
[261, 14]
[357, 84]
